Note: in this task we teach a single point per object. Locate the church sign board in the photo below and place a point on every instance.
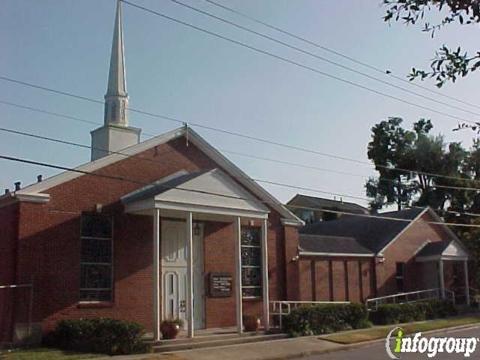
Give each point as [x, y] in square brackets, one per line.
[220, 284]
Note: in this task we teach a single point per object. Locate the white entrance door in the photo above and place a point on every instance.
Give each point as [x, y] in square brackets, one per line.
[174, 274]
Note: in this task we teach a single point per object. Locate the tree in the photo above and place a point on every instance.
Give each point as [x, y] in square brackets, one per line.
[407, 160]
[448, 64]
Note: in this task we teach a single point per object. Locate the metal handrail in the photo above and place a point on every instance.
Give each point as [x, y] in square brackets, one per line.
[284, 307]
[409, 297]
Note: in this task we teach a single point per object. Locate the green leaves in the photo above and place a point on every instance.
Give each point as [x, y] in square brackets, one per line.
[448, 64]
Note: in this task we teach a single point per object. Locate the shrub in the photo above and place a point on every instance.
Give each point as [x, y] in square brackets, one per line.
[401, 313]
[103, 335]
[325, 318]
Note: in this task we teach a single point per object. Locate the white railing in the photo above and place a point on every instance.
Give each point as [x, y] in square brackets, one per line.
[283, 307]
[409, 297]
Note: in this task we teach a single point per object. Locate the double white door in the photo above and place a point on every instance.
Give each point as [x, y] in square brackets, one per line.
[174, 273]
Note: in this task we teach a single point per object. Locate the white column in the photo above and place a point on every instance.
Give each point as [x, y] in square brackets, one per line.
[238, 273]
[189, 233]
[156, 275]
[442, 279]
[467, 289]
[266, 301]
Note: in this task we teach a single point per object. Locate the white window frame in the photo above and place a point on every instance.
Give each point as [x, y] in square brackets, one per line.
[252, 266]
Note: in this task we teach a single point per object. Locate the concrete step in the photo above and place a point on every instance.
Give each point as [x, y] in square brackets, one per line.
[213, 341]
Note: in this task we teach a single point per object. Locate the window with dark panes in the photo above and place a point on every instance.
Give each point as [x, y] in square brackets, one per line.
[399, 276]
[251, 262]
[96, 258]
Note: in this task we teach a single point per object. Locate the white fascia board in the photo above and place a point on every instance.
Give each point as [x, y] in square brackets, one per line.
[290, 222]
[309, 253]
[380, 253]
[102, 162]
[449, 231]
[210, 210]
[241, 177]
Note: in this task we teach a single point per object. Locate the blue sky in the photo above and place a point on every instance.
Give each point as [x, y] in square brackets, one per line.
[180, 72]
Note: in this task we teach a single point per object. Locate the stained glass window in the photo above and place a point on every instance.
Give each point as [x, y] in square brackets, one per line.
[251, 254]
[96, 258]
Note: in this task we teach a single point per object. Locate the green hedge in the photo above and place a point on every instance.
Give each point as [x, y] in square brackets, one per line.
[325, 318]
[103, 335]
[402, 313]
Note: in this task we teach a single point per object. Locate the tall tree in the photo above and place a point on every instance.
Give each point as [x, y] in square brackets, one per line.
[449, 63]
[399, 155]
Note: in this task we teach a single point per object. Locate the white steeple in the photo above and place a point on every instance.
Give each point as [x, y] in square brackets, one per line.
[115, 134]
[116, 98]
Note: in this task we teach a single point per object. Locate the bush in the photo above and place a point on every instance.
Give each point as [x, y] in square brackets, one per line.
[106, 336]
[401, 313]
[325, 318]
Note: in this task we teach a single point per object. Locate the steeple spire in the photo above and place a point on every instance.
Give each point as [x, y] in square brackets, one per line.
[116, 98]
[115, 134]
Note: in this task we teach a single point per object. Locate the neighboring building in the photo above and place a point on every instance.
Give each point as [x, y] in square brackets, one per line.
[357, 257]
[170, 228]
[312, 209]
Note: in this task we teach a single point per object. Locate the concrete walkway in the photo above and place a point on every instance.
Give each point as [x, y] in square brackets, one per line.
[266, 350]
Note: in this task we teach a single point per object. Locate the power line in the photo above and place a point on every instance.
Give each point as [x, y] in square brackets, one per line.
[293, 62]
[166, 187]
[60, 115]
[335, 52]
[296, 48]
[223, 150]
[71, 143]
[245, 136]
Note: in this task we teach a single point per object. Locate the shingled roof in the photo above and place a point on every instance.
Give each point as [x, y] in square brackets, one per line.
[310, 243]
[314, 202]
[371, 233]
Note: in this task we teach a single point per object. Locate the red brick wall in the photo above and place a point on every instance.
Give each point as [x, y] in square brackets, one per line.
[49, 242]
[332, 285]
[403, 250]
[292, 282]
[8, 248]
[219, 251]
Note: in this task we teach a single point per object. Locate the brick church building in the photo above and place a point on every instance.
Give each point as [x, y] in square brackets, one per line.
[170, 228]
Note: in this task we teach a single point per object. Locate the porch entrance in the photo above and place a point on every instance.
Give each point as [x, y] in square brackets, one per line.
[174, 273]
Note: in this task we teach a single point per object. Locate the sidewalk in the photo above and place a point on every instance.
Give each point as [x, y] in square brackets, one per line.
[268, 350]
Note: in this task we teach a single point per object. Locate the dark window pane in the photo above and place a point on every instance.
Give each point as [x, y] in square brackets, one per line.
[251, 256]
[400, 269]
[251, 292]
[96, 251]
[95, 295]
[251, 236]
[251, 276]
[94, 225]
[95, 276]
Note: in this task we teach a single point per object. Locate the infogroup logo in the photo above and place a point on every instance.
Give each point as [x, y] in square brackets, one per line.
[396, 344]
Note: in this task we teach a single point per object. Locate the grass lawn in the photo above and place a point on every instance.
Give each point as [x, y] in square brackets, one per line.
[379, 332]
[44, 354]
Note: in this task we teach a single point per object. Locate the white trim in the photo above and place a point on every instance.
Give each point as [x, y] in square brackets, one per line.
[441, 257]
[194, 138]
[24, 197]
[403, 231]
[289, 222]
[102, 162]
[238, 274]
[311, 253]
[425, 243]
[447, 228]
[157, 317]
[265, 284]
[190, 309]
